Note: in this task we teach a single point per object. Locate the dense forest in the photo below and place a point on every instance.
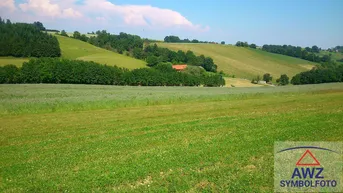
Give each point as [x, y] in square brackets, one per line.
[298, 52]
[319, 75]
[119, 43]
[56, 70]
[27, 40]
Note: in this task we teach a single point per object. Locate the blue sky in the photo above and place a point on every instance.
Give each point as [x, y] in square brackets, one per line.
[295, 22]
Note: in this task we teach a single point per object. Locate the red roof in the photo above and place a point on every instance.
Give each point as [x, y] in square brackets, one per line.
[180, 66]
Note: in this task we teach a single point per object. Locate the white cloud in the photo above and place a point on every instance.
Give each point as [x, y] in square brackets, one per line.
[8, 4]
[47, 8]
[71, 13]
[103, 12]
[140, 15]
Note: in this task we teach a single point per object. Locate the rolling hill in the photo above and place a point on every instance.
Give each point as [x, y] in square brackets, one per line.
[76, 49]
[245, 62]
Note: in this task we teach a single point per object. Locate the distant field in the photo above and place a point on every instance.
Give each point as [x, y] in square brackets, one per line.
[334, 55]
[76, 49]
[85, 138]
[239, 82]
[70, 34]
[11, 60]
[246, 62]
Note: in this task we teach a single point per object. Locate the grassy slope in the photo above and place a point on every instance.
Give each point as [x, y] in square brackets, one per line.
[246, 62]
[12, 60]
[202, 145]
[76, 49]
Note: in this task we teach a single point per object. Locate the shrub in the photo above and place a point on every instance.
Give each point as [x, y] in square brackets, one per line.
[267, 77]
[283, 80]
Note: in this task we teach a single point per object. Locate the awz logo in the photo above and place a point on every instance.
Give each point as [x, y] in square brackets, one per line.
[307, 168]
[304, 175]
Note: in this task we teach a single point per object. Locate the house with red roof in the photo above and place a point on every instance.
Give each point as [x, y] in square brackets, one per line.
[180, 67]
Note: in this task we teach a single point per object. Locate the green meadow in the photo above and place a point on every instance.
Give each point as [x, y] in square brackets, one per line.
[79, 50]
[76, 49]
[12, 60]
[245, 62]
[88, 138]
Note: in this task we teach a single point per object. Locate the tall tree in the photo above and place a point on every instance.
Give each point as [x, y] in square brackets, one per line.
[39, 25]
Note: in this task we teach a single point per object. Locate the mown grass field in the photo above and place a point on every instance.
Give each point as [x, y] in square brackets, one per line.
[245, 62]
[82, 138]
[79, 50]
[76, 49]
[12, 60]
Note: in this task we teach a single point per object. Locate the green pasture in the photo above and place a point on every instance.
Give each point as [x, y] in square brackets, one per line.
[76, 49]
[245, 62]
[12, 60]
[87, 138]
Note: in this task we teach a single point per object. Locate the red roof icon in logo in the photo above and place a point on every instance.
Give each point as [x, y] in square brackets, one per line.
[307, 154]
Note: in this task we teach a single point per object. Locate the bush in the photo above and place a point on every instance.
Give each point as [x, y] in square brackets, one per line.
[9, 74]
[64, 33]
[267, 77]
[283, 80]
[256, 79]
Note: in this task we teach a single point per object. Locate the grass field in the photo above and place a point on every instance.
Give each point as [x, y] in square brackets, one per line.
[239, 82]
[246, 62]
[12, 60]
[76, 49]
[82, 138]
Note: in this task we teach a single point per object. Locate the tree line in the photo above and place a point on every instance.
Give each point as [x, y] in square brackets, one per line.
[319, 75]
[176, 39]
[336, 49]
[325, 73]
[56, 70]
[245, 44]
[118, 43]
[298, 52]
[26, 40]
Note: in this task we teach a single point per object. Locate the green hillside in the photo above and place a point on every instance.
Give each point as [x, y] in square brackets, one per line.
[76, 49]
[245, 62]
